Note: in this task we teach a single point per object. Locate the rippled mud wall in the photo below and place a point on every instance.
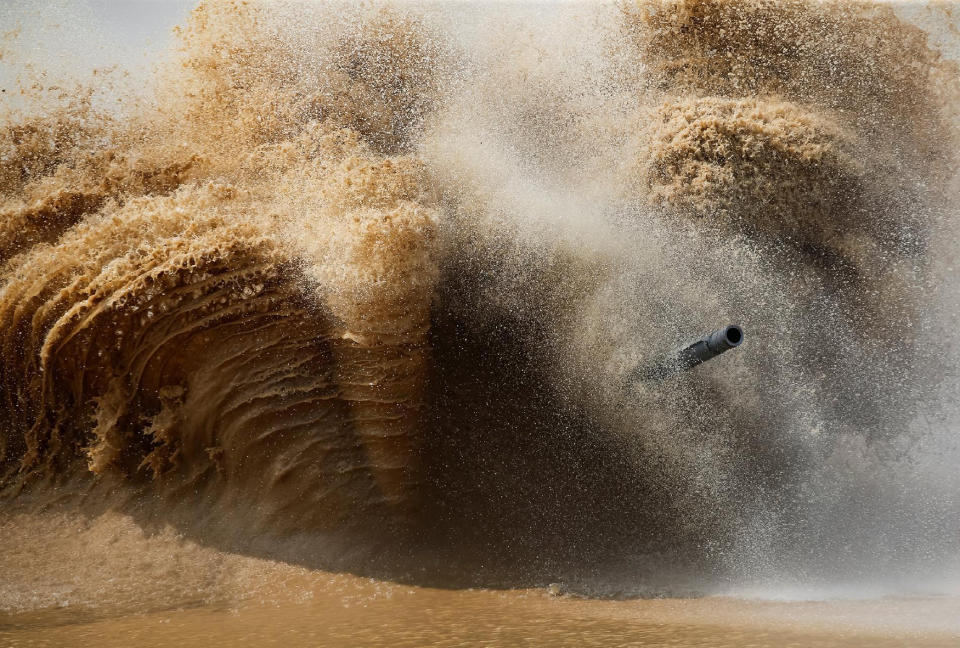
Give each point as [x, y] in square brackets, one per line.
[381, 268]
[230, 293]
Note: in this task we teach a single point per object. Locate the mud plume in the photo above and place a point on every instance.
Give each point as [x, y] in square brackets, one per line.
[789, 129]
[180, 313]
[361, 288]
[780, 81]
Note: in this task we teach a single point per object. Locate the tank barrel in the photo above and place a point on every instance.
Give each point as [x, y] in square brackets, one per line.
[707, 348]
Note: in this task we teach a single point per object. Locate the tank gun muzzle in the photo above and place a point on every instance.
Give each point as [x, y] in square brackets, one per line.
[707, 348]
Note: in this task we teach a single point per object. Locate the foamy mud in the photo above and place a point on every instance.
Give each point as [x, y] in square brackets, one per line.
[362, 289]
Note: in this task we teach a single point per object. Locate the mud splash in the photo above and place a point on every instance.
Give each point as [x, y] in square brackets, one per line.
[359, 289]
[274, 275]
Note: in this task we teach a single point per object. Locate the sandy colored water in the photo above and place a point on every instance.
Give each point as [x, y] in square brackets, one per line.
[387, 615]
[347, 304]
[70, 580]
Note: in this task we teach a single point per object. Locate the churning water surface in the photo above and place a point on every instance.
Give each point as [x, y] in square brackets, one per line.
[320, 323]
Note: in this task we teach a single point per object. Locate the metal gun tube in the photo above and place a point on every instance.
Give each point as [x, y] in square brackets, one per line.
[720, 341]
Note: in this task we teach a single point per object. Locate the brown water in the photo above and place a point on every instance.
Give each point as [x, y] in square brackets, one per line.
[342, 293]
[103, 580]
[417, 617]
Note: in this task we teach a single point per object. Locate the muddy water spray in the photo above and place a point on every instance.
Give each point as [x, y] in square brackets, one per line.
[382, 268]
